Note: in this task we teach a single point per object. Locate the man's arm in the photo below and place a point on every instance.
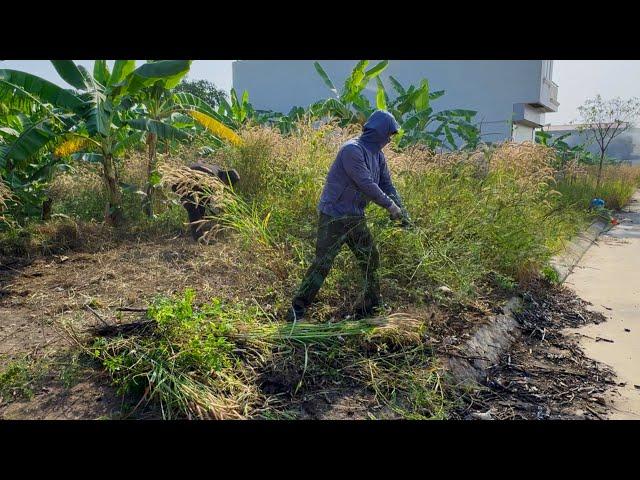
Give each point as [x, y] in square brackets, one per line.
[356, 168]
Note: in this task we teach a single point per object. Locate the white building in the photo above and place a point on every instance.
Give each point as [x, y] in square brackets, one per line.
[510, 96]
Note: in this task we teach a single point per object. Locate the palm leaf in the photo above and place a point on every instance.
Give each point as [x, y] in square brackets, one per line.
[326, 78]
[188, 101]
[8, 131]
[12, 96]
[101, 72]
[381, 96]
[215, 127]
[121, 70]
[169, 71]
[421, 99]
[353, 84]
[376, 70]
[29, 143]
[162, 130]
[70, 73]
[397, 86]
[128, 142]
[98, 122]
[42, 89]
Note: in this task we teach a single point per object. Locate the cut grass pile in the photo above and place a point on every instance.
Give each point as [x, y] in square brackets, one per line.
[211, 362]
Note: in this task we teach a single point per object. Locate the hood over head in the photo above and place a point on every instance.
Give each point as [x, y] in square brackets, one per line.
[378, 129]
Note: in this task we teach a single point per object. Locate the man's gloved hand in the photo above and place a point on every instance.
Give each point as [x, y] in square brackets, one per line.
[395, 212]
[407, 223]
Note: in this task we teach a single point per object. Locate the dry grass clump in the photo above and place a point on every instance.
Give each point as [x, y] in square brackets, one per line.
[399, 329]
[577, 183]
[522, 158]
[58, 235]
[199, 188]
[82, 178]
[571, 171]
[5, 195]
[420, 160]
[203, 189]
[526, 160]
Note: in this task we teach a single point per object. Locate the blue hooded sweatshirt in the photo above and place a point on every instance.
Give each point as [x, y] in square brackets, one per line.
[359, 173]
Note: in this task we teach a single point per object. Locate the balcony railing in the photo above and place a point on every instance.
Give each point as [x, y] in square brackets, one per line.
[553, 91]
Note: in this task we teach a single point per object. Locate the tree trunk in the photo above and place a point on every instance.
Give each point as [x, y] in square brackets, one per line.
[151, 167]
[600, 170]
[113, 211]
[46, 209]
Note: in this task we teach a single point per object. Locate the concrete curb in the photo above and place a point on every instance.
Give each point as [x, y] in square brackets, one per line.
[575, 249]
[489, 340]
[485, 346]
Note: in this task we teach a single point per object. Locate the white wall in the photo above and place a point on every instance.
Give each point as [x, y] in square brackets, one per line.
[491, 87]
[523, 133]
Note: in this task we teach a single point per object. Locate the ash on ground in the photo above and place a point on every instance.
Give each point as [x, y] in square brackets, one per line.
[544, 375]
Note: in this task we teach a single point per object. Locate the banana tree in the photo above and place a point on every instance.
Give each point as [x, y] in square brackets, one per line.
[238, 111]
[564, 151]
[29, 185]
[92, 123]
[421, 124]
[349, 105]
[164, 115]
[27, 175]
[286, 123]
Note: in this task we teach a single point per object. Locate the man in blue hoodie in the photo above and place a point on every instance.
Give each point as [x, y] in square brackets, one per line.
[358, 175]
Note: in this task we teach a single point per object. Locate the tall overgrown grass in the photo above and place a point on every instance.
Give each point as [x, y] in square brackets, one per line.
[619, 182]
[498, 212]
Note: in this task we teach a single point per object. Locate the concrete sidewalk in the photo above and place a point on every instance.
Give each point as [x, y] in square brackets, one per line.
[608, 276]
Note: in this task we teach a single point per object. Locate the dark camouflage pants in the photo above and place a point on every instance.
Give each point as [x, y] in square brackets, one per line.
[332, 234]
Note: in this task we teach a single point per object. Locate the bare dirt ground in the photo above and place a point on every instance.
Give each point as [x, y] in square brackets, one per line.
[43, 298]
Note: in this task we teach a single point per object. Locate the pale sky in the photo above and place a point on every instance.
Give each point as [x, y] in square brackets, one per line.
[577, 79]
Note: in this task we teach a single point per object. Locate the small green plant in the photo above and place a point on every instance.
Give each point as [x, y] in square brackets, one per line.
[70, 369]
[18, 379]
[504, 282]
[551, 274]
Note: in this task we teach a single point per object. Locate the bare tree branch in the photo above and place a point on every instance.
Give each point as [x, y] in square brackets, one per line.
[604, 120]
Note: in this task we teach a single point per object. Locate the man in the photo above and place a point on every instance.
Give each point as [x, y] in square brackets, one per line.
[197, 211]
[358, 175]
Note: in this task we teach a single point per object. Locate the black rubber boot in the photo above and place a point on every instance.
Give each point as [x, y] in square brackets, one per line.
[368, 307]
[295, 314]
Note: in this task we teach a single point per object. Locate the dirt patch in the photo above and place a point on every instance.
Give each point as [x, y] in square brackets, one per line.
[89, 399]
[544, 375]
[42, 297]
[45, 297]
